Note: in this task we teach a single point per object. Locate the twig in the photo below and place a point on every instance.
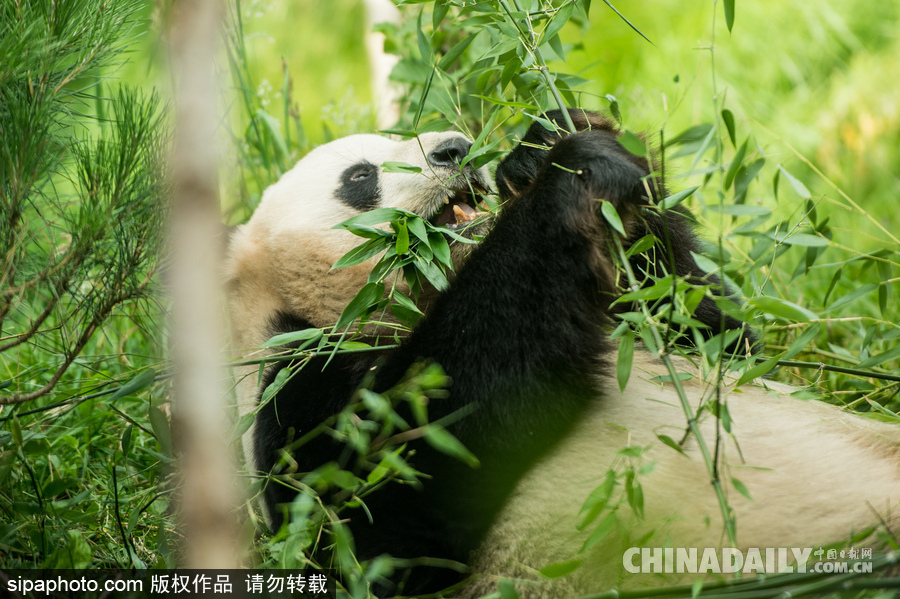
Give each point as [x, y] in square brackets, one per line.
[534, 49]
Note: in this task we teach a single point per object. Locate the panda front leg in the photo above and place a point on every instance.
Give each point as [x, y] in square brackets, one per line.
[521, 334]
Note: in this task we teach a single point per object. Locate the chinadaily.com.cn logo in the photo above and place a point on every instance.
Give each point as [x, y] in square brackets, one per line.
[754, 560]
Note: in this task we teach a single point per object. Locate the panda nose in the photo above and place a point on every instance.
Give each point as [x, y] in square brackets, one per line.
[450, 152]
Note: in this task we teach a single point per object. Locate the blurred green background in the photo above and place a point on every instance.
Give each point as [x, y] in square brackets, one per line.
[823, 77]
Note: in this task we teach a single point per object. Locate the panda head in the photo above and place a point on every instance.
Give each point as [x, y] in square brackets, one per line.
[280, 262]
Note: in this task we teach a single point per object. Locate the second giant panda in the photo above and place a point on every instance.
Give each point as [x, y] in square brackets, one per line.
[522, 333]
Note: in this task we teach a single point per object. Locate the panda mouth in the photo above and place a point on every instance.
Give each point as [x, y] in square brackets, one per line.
[459, 210]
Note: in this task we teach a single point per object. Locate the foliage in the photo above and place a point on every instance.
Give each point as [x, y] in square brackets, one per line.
[80, 225]
[781, 131]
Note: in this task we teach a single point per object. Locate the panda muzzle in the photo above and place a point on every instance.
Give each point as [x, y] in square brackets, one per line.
[458, 210]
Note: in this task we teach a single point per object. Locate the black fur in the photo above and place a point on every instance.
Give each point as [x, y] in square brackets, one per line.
[359, 187]
[675, 229]
[521, 334]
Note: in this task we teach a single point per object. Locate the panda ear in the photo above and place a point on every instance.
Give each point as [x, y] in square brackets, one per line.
[359, 187]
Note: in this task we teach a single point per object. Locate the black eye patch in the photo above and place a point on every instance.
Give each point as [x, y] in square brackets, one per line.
[359, 187]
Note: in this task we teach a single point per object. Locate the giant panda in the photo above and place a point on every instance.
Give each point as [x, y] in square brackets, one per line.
[522, 332]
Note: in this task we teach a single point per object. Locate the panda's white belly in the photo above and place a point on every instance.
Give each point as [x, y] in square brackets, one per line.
[816, 475]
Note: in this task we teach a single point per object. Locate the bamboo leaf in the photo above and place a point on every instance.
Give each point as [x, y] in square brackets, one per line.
[625, 359]
[370, 294]
[728, 119]
[676, 198]
[310, 335]
[612, 217]
[757, 371]
[438, 437]
[729, 13]
[781, 308]
[798, 186]
[736, 163]
[603, 529]
[139, 382]
[560, 569]
[741, 488]
[633, 144]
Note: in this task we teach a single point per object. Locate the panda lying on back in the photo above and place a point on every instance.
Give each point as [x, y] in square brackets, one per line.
[522, 333]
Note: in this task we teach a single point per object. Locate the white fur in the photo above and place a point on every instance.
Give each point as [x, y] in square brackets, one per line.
[817, 474]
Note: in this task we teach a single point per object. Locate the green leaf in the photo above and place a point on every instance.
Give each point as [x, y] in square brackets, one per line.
[441, 249]
[511, 104]
[834, 281]
[806, 240]
[851, 297]
[417, 227]
[560, 569]
[369, 295]
[439, 11]
[728, 119]
[399, 167]
[612, 217]
[641, 245]
[424, 43]
[363, 252]
[433, 273]
[736, 163]
[614, 108]
[891, 354]
[293, 337]
[377, 216]
[273, 127]
[625, 359]
[634, 494]
[368, 232]
[275, 386]
[507, 590]
[655, 291]
[402, 245]
[668, 378]
[405, 309]
[438, 437]
[633, 144]
[802, 341]
[667, 440]
[757, 371]
[160, 426]
[243, 425]
[126, 440]
[783, 309]
[603, 529]
[884, 410]
[676, 198]
[597, 500]
[741, 488]
[729, 13]
[455, 52]
[143, 379]
[558, 22]
[798, 186]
